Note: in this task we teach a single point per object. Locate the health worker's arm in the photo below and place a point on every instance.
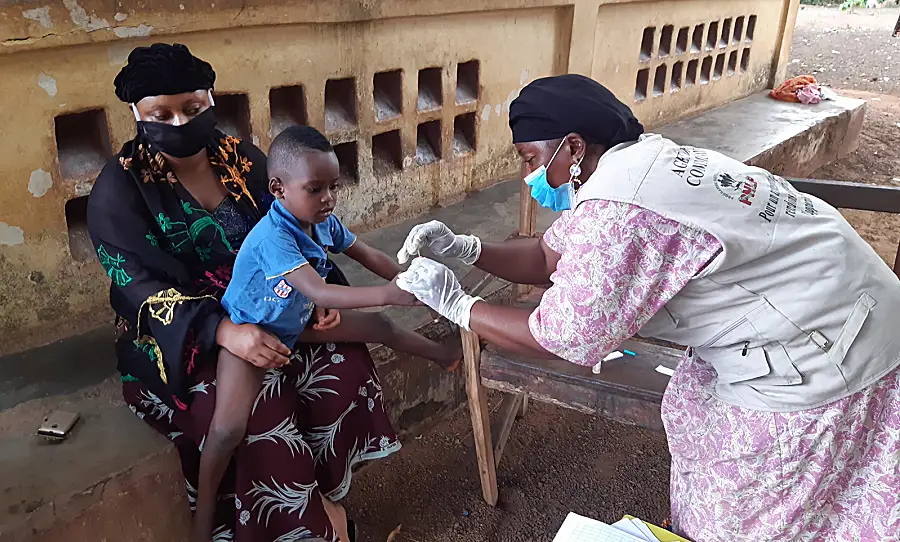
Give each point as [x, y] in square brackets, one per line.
[522, 261]
[507, 327]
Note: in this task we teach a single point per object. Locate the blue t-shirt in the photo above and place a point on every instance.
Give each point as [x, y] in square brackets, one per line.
[259, 293]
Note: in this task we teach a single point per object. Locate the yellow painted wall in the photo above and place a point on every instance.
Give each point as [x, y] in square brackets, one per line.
[59, 58]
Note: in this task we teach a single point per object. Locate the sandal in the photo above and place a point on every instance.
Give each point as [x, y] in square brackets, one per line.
[352, 531]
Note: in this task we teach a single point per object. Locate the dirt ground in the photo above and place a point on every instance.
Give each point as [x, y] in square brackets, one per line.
[856, 55]
[559, 461]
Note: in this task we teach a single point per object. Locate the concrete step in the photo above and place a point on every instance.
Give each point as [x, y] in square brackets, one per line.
[785, 138]
[115, 479]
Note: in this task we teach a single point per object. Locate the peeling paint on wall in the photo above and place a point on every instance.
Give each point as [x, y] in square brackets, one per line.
[11, 235]
[48, 83]
[81, 18]
[509, 99]
[41, 15]
[39, 183]
[120, 17]
[486, 112]
[133, 31]
[523, 77]
[118, 54]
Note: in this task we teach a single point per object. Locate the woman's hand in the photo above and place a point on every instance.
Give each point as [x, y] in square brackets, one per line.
[436, 286]
[441, 241]
[325, 319]
[250, 343]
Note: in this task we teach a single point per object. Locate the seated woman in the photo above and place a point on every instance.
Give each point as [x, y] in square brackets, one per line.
[167, 216]
[279, 279]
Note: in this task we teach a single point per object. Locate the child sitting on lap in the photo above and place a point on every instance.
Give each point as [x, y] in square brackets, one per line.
[278, 283]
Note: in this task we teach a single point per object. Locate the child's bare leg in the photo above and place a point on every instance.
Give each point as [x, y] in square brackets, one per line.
[237, 385]
[338, 518]
[373, 327]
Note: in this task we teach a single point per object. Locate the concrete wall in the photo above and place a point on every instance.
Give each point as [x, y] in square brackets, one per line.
[415, 93]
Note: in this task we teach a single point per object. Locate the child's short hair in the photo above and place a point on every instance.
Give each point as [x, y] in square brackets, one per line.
[290, 144]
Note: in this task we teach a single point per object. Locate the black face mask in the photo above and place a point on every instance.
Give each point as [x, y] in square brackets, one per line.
[184, 140]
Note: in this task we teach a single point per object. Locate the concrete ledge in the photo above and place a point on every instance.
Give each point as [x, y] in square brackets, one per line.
[113, 470]
[785, 138]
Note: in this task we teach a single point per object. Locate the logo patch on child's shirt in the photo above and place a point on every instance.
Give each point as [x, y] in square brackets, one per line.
[283, 289]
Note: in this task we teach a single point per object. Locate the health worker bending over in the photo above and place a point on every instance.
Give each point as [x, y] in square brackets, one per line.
[783, 418]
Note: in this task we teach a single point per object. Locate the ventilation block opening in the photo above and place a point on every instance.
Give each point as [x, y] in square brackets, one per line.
[340, 104]
[697, 39]
[738, 29]
[428, 142]
[647, 43]
[677, 74]
[387, 153]
[82, 143]
[80, 246]
[348, 159]
[726, 33]
[467, 82]
[388, 94]
[233, 114]
[712, 36]
[641, 85]
[720, 67]
[430, 95]
[681, 44]
[659, 80]
[464, 134]
[732, 62]
[665, 41]
[751, 28]
[706, 70]
[691, 76]
[745, 59]
[287, 107]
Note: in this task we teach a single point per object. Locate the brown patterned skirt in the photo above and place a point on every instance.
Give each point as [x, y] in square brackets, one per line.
[313, 421]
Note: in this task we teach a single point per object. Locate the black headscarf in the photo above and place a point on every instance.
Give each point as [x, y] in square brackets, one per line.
[554, 107]
[162, 69]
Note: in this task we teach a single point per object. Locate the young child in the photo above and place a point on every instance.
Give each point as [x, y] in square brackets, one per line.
[278, 283]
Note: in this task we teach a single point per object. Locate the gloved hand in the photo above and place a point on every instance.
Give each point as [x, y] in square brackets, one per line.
[436, 286]
[438, 238]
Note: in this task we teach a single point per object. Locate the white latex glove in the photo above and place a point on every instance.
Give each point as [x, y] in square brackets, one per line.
[436, 286]
[438, 238]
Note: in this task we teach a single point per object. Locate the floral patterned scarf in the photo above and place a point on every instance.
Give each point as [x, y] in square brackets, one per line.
[168, 259]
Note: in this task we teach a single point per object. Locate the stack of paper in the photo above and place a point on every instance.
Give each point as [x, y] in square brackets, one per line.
[628, 529]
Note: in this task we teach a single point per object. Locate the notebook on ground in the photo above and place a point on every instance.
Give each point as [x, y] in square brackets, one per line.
[581, 529]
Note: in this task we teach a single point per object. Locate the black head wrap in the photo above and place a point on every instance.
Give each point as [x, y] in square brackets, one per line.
[554, 107]
[162, 69]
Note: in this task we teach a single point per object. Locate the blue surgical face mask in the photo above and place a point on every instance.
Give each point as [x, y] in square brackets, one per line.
[557, 199]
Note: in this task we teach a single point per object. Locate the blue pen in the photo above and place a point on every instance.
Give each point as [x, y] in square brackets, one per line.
[629, 352]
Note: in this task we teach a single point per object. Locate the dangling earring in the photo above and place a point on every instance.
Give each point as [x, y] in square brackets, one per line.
[574, 173]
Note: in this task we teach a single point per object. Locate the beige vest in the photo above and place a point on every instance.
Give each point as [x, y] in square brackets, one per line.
[797, 310]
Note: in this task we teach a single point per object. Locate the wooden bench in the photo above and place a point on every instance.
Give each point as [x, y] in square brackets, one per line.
[628, 390]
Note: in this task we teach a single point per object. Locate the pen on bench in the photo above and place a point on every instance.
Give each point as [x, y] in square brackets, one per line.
[629, 352]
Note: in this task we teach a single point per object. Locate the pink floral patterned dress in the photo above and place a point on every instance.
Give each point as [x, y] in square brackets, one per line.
[825, 474]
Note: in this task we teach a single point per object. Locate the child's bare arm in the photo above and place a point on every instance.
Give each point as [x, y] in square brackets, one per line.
[374, 260]
[333, 296]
